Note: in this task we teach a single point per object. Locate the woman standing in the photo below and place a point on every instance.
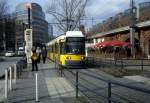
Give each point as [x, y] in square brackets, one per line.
[34, 59]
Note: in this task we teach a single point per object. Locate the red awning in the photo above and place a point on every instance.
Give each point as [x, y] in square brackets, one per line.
[111, 43]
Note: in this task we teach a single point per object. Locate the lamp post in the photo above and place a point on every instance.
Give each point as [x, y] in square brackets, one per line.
[132, 27]
[28, 6]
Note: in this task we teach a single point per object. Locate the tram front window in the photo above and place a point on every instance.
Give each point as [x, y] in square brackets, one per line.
[75, 48]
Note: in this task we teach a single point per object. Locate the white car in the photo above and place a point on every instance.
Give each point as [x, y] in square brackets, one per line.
[21, 53]
[9, 53]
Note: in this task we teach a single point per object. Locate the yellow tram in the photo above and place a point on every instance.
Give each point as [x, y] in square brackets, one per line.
[68, 50]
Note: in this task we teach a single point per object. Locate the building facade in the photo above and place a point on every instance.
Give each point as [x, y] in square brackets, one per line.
[121, 20]
[7, 33]
[50, 31]
[38, 23]
[118, 28]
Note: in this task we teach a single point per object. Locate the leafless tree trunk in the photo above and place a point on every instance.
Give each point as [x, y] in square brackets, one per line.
[3, 11]
[3, 8]
[67, 13]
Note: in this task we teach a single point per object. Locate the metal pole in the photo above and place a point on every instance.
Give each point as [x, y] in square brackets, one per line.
[109, 92]
[6, 83]
[29, 23]
[10, 78]
[121, 64]
[142, 64]
[132, 31]
[92, 21]
[23, 29]
[132, 26]
[55, 62]
[36, 80]
[15, 73]
[77, 84]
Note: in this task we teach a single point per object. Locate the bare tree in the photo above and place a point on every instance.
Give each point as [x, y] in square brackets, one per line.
[67, 13]
[3, 12]
[3, 8]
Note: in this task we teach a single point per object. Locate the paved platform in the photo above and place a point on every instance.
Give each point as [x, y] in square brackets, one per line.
[52, 87]
[2, 90]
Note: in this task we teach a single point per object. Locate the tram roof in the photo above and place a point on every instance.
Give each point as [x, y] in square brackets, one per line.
[56, 39]
[74, 34]
[67, 34]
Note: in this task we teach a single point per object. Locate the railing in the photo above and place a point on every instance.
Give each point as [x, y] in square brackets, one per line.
[110, 83]
[120, 63]
[78, 83]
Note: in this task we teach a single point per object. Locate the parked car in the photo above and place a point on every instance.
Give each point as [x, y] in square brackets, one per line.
[21, 53]
[9, 53]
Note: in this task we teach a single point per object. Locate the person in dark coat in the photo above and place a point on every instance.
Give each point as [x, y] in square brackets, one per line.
[34, 59]
[44, 54]
[38, 51]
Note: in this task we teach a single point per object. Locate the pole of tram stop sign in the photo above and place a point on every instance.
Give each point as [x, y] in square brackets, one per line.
[29, 7]
[6, 83]
[77, 84]
[36, 89]
[10, 78]
[29, 21]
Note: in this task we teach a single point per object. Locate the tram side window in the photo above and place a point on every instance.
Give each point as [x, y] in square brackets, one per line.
[56, 48]
[53, 48]
[62, 48]
[50, 49]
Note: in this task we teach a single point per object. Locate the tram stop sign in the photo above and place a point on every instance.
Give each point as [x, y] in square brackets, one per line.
[28, 46]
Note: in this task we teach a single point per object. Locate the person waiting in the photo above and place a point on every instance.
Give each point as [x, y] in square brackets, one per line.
[34, 59]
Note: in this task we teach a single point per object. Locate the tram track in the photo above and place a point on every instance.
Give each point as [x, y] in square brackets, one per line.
[125, 98]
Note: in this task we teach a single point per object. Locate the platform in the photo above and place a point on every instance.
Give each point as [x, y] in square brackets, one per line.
[52, 87]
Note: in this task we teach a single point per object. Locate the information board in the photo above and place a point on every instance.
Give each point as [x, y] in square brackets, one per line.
[28, 44]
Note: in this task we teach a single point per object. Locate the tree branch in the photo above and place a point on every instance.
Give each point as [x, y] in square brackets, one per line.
[67, 11]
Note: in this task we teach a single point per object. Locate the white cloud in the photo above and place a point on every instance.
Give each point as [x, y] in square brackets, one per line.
[101, 7]
[98, 8]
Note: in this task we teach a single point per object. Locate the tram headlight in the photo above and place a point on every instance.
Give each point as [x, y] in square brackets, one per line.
[68, 57]
[82, 58]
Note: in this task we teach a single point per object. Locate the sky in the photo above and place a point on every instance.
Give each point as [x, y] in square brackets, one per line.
[99, 10]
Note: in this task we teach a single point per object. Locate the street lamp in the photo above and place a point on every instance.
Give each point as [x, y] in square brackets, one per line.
[132, 27]
[29, 7]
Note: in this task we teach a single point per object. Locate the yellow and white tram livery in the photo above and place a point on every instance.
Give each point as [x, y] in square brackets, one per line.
[68, 50]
